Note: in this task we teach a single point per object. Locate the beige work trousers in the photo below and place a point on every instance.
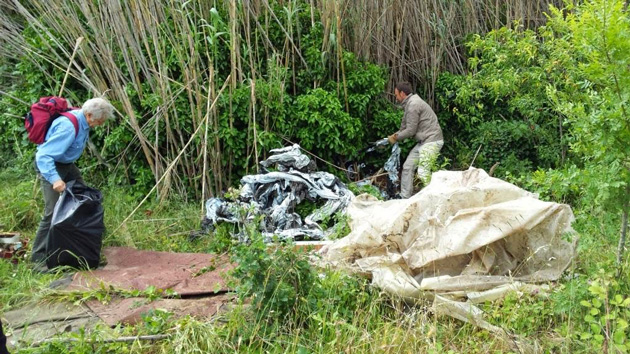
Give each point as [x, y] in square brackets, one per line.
[420, 159]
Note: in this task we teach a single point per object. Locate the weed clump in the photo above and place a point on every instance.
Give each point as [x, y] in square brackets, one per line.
[285, 288]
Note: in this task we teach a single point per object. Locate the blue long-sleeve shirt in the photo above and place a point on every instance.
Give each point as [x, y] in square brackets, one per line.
[61, 145]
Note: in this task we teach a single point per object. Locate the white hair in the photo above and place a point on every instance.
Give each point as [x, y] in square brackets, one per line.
[100, 109]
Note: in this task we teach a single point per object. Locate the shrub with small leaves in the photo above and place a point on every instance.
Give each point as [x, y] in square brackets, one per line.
[608, 314]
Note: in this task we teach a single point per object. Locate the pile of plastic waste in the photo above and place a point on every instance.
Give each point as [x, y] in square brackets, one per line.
[271, 197]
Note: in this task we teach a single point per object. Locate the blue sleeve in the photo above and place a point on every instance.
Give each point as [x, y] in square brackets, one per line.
[58, 139]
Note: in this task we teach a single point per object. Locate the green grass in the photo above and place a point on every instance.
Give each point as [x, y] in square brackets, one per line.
[18, 201]
[335, 312]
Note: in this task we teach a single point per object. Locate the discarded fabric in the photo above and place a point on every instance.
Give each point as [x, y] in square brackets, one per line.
[464, 234]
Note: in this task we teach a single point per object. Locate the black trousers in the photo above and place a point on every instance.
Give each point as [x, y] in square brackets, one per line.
[67, 172]
[3, 341]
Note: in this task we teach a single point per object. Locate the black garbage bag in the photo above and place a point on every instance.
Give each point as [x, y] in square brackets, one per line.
[77, 228]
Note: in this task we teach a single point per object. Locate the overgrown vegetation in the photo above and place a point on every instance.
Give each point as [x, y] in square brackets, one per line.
[547, 101]
[276, 91]
[552, 102]
[292, 66]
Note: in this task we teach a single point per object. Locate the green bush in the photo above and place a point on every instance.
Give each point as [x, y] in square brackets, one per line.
[502, 106]
[320, 122]
[278, 279]
[286, 289]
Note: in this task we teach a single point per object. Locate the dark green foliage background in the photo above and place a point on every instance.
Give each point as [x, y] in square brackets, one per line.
[322, 119]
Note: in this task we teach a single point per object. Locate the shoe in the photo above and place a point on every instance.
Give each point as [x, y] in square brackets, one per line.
[62, 283]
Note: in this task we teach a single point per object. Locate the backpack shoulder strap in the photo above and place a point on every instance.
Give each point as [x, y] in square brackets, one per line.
[74, 121]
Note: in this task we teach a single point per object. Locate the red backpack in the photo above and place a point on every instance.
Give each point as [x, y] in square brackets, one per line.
[43, 113]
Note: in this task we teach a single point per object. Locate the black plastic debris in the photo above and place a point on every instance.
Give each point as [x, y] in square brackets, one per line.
[367, 171]
[289, 178]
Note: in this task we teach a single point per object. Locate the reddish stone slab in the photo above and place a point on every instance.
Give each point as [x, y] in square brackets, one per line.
[130, 269]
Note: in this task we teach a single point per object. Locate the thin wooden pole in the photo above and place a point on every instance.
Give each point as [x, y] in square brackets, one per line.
[74, 52]
[205, 141]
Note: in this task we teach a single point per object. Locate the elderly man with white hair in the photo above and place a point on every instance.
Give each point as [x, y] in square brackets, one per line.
[55, 159]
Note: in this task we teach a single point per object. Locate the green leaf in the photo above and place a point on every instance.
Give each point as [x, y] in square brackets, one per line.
[595, 328]
[594, 311]
[619, 337]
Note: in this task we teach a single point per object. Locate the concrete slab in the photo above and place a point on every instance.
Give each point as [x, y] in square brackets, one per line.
[36, 322]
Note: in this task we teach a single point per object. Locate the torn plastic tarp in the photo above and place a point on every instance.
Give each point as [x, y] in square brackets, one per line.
[289, 158]
[275, 195]
[460, 238]
[392, 165]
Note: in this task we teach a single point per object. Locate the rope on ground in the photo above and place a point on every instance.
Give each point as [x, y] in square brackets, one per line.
[372, 177]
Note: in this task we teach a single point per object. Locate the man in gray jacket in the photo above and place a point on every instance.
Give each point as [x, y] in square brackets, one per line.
[421, 123]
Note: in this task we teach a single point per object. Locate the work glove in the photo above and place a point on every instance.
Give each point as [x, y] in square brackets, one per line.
[392, 139]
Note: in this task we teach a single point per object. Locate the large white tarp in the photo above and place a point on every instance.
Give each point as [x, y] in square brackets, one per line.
[465, 233]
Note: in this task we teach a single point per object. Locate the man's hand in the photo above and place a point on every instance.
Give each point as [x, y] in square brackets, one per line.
[392, 139]
[59, 186]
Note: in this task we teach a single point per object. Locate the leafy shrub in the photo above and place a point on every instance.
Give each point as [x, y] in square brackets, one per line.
[502, 106]
[278, 279]
[321, 123]
[607, 314]
[286, 289]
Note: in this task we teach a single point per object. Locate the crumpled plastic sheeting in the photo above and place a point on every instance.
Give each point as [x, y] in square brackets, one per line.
[276, 194]
[287, 158]
[392, 165]
[466, 233]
